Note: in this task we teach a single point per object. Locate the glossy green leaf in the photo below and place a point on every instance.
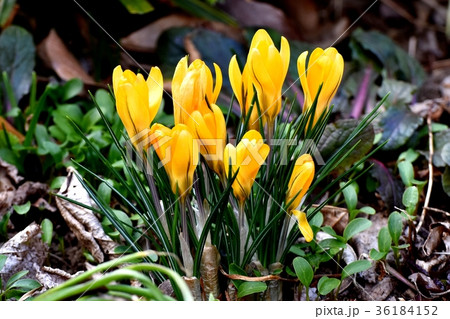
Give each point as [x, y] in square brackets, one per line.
[395, 226]
[384, 240]
[137, 6]
[406, 171]
[22, 209]
[303, 270]
[398, 124]
[47, 231]
[251, 287]
[337, 133]
[15, 277]
[411, 197]
[326, 285]
[25, 284]
[356, 226]
[350, 195]
[377, 255]
[445, 180]
[445, 154]
[367, 210]
[355, 267]
[440, 140]
[17, 54]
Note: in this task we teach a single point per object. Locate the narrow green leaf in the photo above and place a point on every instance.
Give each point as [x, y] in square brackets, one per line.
[350, 195]
[384, 240]
[326, 285]
[251, 287]
[355, 267]
[356, 226]
[2, 261]
[22, 209]
[303, 270]
[47, 231]
[15, 277]
[446, 180]
[25, 284]
[395, 226]
[410, 155]
[411, 197]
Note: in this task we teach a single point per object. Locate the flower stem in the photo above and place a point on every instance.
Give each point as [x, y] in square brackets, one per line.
[242, 231]
[270, 128]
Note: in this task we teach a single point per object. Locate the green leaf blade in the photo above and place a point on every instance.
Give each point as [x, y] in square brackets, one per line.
[303, 270]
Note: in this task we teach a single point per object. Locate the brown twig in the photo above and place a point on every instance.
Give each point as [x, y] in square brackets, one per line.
[271, 277]
[437, 210]
[430, 172]
[399, 276]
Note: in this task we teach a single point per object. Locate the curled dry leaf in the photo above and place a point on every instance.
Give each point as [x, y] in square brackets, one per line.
[55, 53]
[335, 217]
[428, 287]
[25, 251]
[435, 237]
[52, 277]
[9, 178]
[83, 223]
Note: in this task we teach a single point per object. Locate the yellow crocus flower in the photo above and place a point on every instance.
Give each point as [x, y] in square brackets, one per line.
[210, 129]
[303, 225]
[325, 67]
[268, 69]
[137, 100]
[242, 86]
[191, 86]
[247, 156]
[301, 179]
[178, 152]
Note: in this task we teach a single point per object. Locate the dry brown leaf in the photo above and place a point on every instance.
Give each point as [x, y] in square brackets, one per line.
[83, 223]
[52, 277]
[426, 286]
[25, 251]
[146, 39]
[335, 217]
[9, 178]
[54, 52]
[435, 237]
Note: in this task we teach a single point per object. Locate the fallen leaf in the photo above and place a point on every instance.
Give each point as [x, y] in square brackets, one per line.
[54, 52]
[52, 277]
[426, 286]
[146, 39]
[435, 237]
[336, 217]
[83, 223]
[9, 177]
[25, 251]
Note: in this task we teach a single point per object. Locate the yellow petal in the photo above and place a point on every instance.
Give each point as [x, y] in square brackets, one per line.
[236, 80]
[218, 84]
[155, 91]
[303, 225]
[117, 75]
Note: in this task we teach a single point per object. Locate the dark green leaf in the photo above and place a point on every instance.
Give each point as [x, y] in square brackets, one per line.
[398, 124]
[356, 226]
[22, 209]
[250, 287]
[395, 226]
[337, 133]
[411, 197]
[236, 270]
[104, 192]
[446, 180]
[445, 153]
[71, 89]
[377, 255]
[303, 270]
[17, 58]
[15, 277]
[47, 231]
[137, 6]
[25, 284]
[400, 92]
[355, 267]
[297, 251]
[326, 285]
[331, 243]
[384, 240]
[205, 11]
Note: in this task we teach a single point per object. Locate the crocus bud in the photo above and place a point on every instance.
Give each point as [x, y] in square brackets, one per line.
[300, 180]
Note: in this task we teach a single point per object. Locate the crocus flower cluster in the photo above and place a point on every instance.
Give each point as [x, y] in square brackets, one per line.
[200, 125]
